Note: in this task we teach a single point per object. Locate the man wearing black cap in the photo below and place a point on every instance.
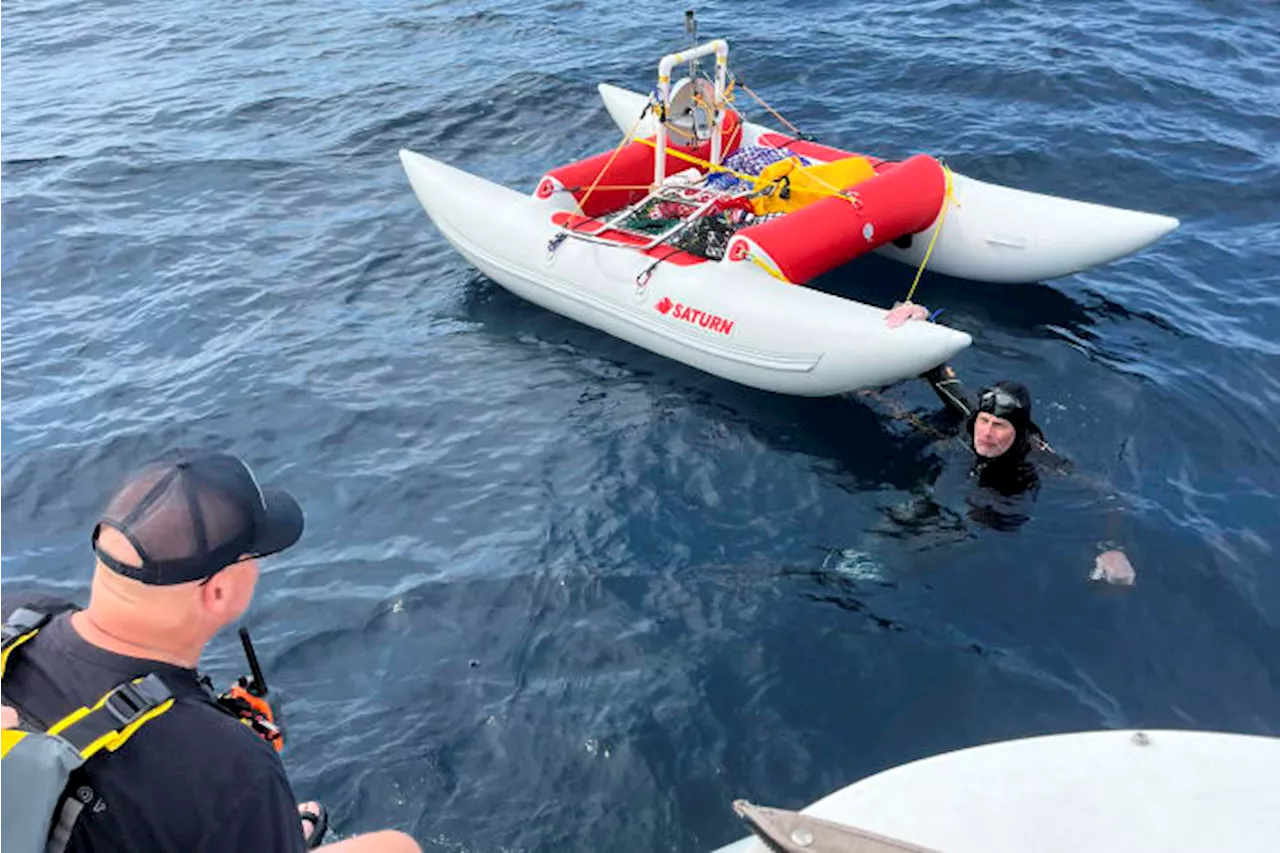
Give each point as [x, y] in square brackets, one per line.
[177, 560]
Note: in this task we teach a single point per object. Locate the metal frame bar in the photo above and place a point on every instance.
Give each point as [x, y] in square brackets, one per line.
[721, 49]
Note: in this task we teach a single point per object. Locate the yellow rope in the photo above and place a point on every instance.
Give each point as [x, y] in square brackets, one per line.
[851, 197]
[770, 270]
[616, 187]
[741, 176]
[947, 199]
[728, 94]
[671, 128]
[698, 161]
[699, 102]
[626, 137]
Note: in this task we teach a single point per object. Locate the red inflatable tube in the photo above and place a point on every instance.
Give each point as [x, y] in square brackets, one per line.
[631, 171]
[904, 198]
[812, 150]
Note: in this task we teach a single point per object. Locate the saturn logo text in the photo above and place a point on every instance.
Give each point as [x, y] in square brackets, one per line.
[695, 316]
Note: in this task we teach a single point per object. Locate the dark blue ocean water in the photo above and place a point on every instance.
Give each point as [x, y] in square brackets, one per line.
[557, 593]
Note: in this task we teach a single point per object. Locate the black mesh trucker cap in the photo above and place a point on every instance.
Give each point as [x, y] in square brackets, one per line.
[190, 515]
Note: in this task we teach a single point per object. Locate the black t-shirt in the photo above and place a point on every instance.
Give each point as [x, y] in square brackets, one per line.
[192, 779]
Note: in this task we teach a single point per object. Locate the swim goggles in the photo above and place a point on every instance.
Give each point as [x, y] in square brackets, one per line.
[998, 402]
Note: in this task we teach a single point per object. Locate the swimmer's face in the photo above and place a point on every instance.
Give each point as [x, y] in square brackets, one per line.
[992, 436]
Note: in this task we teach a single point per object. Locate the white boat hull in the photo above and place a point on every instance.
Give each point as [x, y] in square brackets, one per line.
[730, 320]
[1105, 792]
[991, 233]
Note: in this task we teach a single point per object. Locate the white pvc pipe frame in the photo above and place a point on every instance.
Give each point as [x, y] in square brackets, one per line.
[721, 49]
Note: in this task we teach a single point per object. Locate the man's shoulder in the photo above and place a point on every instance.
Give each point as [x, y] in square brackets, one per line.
[199, 744]
[203, 728]
[39, 602]
[1045, 457]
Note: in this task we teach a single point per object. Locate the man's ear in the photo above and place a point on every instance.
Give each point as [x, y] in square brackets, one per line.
[215, 595]
[221, 593]
[228, 593]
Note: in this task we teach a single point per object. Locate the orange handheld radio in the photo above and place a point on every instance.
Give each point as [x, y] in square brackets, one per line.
[247, 699]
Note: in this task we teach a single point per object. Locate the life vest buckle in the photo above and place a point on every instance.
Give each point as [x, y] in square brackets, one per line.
[22, 620]
[130, 701]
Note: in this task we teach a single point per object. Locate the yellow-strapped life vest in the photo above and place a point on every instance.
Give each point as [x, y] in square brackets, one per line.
[37, 765]
[797, 185]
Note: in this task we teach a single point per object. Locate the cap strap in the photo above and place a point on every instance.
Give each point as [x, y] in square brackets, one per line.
[115, 564]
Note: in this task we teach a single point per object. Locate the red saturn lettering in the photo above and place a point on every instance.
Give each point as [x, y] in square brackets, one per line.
[695, 316]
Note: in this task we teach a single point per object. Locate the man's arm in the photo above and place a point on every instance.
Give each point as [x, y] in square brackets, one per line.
[950, 390]
[1111, 563]
[263, 818]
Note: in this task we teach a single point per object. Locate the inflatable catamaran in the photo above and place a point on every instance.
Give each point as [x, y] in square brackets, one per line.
[694, 237]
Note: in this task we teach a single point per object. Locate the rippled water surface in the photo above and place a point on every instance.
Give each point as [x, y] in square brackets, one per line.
[558, 593]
